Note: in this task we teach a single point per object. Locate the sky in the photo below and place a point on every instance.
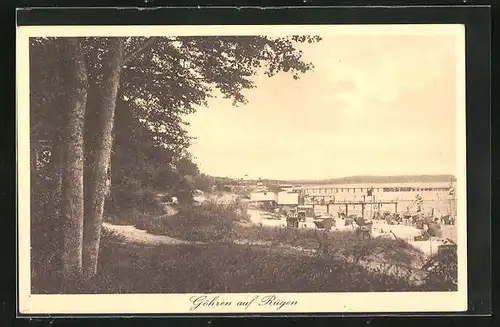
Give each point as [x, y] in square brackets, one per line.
[373, 105]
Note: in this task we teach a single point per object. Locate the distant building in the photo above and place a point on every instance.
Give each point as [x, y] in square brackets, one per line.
[286, 187]
[263, 197]
[260, 188]
[288, 198]
[385, 191]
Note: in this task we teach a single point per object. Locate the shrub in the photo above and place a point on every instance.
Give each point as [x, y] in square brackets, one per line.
[45, 233]
[302, 237]
[213, 220]
[130, 199]
[109, 235]
[343, 242]
[442, 271]
[206, 268]
[131, 216]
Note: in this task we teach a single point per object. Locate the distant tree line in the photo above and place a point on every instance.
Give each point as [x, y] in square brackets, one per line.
[379, 179]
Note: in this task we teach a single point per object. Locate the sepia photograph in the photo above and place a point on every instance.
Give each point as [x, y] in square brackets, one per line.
[227, 169]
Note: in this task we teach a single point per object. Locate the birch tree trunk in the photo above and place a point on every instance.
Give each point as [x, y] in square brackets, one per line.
[112, 67]
[72, 180]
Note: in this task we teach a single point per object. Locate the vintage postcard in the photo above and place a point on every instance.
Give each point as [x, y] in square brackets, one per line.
[241, 169]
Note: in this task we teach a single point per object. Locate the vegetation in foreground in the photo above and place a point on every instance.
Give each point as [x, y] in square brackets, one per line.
[106, 131]
[213, 221]
[133, 145]
[272, 260]
[128, 268]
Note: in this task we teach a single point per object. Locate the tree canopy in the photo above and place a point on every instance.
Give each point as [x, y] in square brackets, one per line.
[128, 98]
[160, 84]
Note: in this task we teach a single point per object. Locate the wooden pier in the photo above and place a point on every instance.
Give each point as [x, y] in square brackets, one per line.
[353, 203]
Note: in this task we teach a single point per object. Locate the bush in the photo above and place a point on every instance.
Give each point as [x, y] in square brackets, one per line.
[303, 237]
[109, 235]
[130, 199]
[45, 234]
[442, 271]
[347, 241]
[129, 217]
[213, 220]
[207, 268]
[384, 257]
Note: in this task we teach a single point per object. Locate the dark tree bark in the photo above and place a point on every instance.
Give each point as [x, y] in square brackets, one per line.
[46, 237]
[101, 153]
[92, 132]
[49, 241]
[72, 178]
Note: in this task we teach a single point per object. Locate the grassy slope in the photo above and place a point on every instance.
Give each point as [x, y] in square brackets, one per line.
[278, 265]
[348, 265]
[231, 268]
[344, 262]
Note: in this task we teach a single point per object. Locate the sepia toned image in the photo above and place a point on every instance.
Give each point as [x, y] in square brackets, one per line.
[237, 169]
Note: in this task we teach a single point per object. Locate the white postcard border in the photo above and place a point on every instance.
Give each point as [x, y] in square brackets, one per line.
[181, 303]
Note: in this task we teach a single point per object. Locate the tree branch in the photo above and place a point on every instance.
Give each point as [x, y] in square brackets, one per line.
[147, 44]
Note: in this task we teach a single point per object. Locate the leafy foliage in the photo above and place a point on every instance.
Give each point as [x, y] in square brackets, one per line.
[214, 220]
[46, 88]
[442, 270]
[208, 183]
[177, 75]
[171, 78]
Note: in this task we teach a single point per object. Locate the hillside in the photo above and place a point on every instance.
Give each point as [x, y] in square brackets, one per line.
[381, 179]
[361, 179]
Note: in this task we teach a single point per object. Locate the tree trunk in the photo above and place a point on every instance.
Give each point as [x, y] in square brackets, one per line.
[112, 67]
[92, 131]
[46, 226]
[72, 181]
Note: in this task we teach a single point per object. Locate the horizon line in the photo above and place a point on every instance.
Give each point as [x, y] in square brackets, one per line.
[338, 178]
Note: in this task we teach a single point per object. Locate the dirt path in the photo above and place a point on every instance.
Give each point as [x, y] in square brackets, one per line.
[135, 235]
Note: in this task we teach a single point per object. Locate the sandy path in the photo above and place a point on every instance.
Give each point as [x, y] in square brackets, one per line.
[135, 235]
